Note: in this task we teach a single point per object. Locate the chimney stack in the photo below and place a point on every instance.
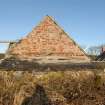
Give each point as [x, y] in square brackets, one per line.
[103, 49]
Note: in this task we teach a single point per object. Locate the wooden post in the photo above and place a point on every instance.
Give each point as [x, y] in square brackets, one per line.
[8, 41]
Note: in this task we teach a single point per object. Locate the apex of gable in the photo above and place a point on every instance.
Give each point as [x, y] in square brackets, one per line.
[48, 18]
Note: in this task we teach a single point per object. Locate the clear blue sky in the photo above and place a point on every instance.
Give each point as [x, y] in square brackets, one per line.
[83, 20]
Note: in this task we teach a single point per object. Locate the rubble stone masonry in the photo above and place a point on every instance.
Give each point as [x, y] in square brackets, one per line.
[47, 39]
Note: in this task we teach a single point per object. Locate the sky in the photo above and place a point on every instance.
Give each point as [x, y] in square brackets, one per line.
[83, 20]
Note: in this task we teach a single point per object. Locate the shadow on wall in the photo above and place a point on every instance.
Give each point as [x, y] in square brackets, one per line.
[39, 97]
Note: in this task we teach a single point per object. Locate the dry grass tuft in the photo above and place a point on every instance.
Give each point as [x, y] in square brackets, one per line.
[52, 88]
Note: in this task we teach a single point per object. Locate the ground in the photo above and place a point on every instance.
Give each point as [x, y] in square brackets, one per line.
[84, 87]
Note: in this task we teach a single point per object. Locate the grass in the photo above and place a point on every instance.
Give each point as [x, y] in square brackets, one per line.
[1, 55]
[56, 88]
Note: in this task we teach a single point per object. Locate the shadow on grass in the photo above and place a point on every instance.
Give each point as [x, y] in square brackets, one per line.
[39, 97]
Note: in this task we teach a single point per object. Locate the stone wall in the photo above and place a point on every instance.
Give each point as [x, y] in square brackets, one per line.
[47, 39]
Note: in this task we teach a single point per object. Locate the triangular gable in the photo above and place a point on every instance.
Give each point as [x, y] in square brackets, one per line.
[47, 39]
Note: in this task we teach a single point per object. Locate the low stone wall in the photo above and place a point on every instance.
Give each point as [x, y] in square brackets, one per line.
[16, 64]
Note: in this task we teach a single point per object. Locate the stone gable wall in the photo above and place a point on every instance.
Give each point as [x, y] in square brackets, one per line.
[47, 39]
